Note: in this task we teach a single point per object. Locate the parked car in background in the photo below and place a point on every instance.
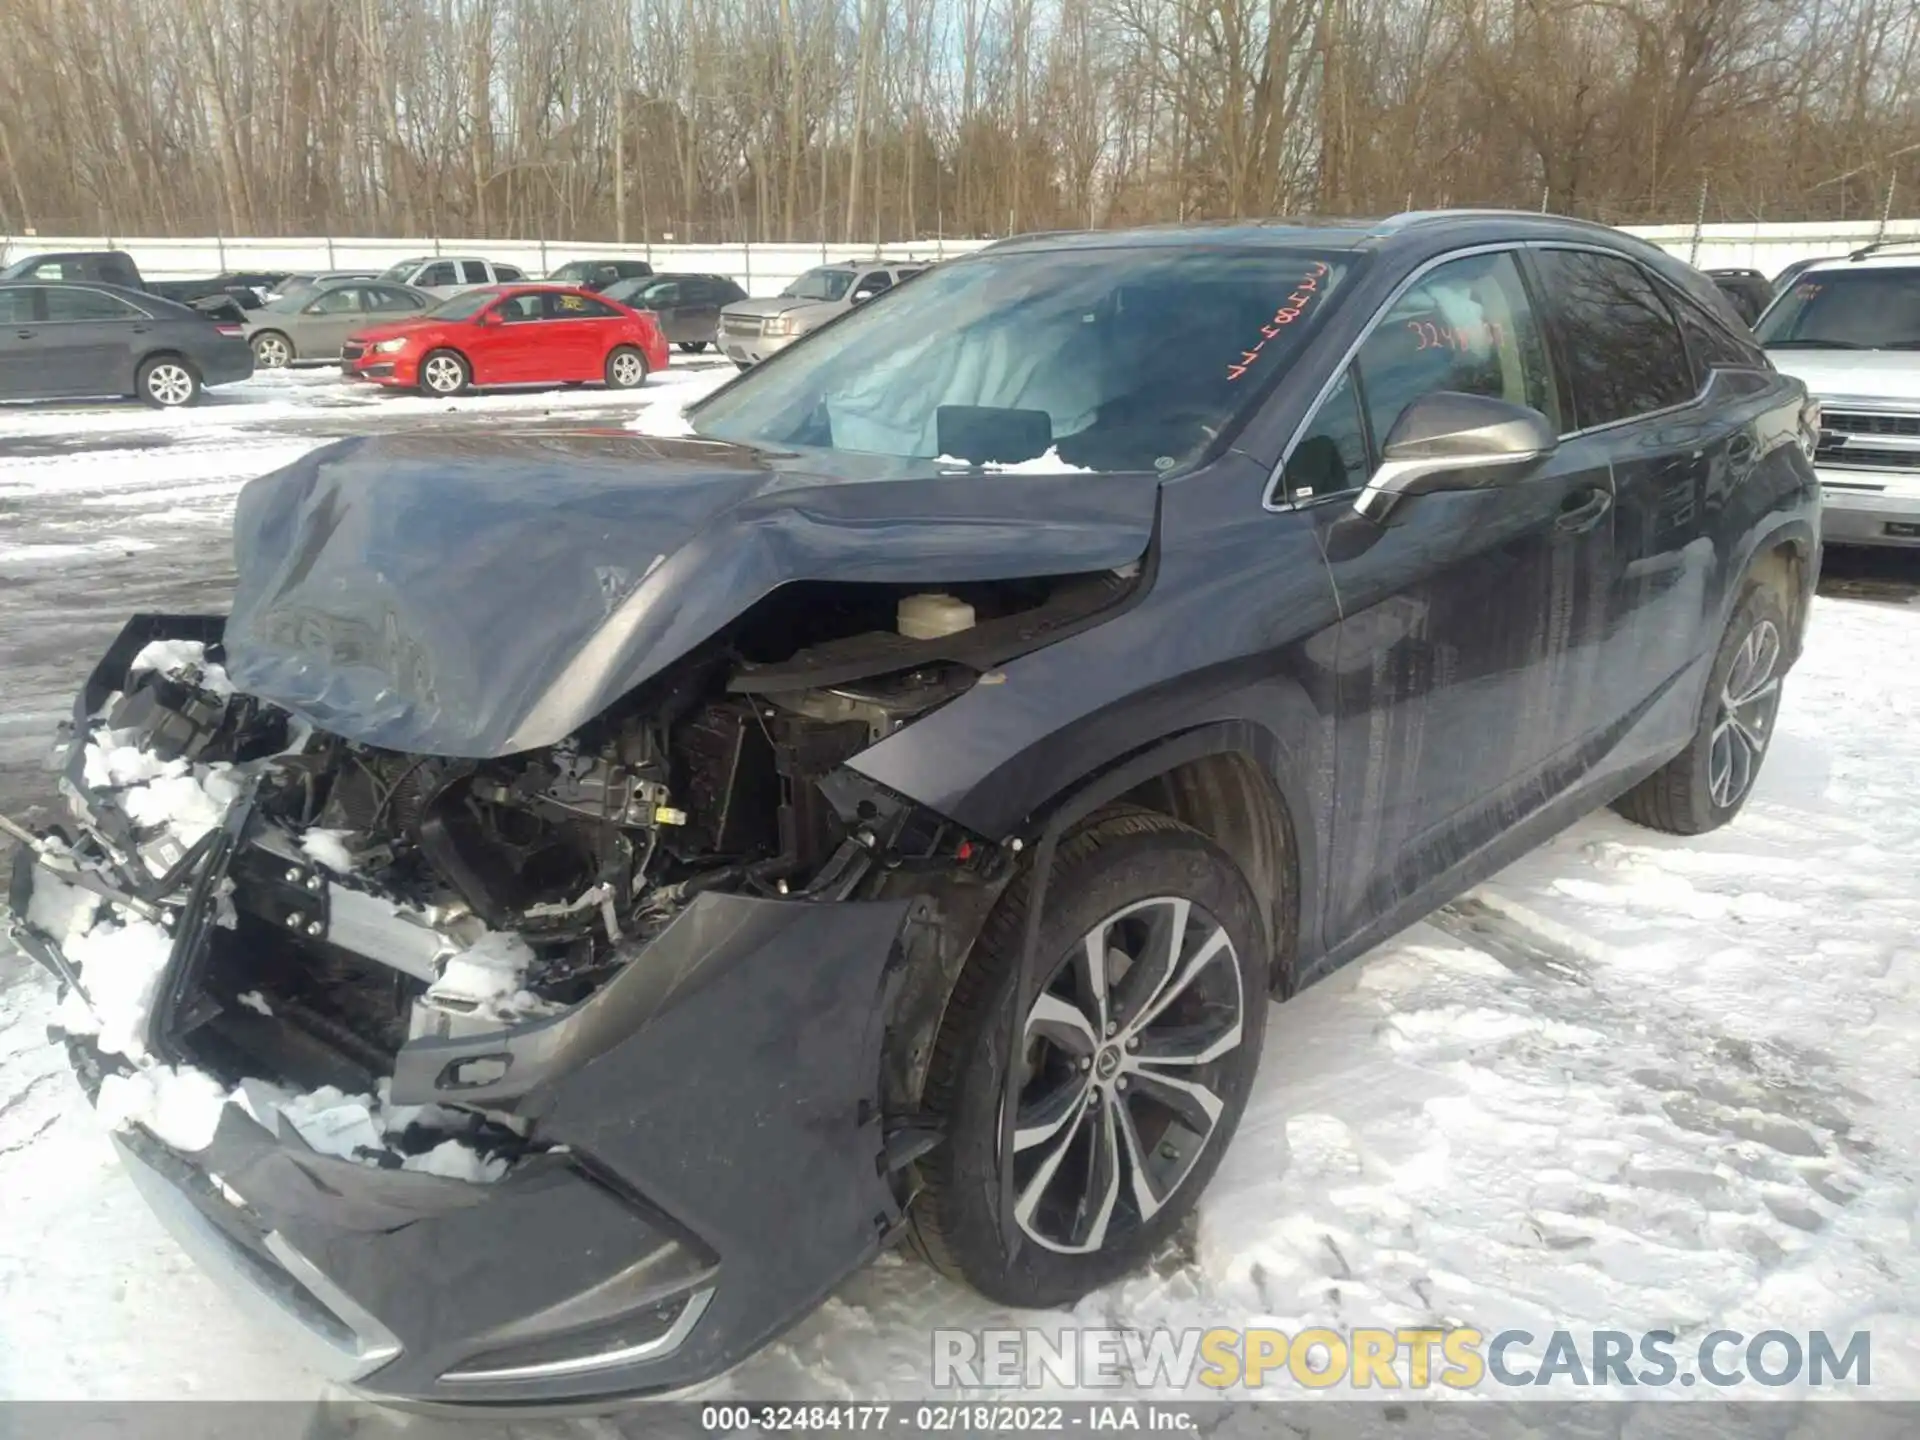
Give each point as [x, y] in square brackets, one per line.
[751, 330]
[307, 279]
[446, 275]
[226, 297]
[538, 334]
[1749, 291]
[313, 323]
[597, 275]
[60, 340]
[687, 306]
[1850, 329]
[736, 855]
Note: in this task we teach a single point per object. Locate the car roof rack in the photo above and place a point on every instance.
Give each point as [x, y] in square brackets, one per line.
[1881, 246]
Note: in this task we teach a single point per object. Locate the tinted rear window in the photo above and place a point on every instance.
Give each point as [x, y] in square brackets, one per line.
[1624, 355]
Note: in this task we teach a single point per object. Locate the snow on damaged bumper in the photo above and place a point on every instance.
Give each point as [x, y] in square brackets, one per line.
[471, 1164]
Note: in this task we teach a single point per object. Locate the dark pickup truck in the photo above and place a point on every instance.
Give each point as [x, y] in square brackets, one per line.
[226, 296]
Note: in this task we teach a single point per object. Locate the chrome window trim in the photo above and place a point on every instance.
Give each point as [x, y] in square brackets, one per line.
[1275, 500]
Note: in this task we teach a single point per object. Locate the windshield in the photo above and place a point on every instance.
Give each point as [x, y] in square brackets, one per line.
[1117, 359]
[463, 306]
[827, 283]
[1876, 309]
[400, 271]
[572, 270]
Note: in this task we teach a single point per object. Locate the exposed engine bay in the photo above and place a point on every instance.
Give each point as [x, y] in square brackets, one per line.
[367, 899]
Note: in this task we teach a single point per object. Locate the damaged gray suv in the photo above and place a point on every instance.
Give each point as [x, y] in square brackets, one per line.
[592, 893]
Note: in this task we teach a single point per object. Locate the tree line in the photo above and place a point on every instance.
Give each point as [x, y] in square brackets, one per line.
[811, 120]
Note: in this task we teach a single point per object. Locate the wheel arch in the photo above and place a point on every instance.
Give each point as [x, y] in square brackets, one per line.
[473, 376]
[1785, 558]
[162, 352]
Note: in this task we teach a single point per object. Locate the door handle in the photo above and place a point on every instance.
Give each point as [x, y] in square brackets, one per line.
[24, 334]
[1583, 510]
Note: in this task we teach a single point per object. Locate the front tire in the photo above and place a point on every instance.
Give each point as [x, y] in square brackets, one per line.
[1138, 1057]
[1704, 786]
[271, 350]
[693, 347]
[168, 382]
[444, 373]
[626, 368]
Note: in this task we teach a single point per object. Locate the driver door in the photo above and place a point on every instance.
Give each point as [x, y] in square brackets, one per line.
[1469, 652]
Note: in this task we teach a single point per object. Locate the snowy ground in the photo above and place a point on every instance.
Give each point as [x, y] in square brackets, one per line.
[1632, 1083]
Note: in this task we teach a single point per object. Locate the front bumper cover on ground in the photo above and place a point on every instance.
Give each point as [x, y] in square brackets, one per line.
[712, 1168]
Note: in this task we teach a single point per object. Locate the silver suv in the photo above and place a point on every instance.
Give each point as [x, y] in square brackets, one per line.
[751, 330]
[1849, 329]
[445, 275]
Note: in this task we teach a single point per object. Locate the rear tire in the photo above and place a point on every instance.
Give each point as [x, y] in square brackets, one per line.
[271, 350]
[1111, 1150]
[444, 373]
[626, 368]
[168, 382]
[1704, 786]
[693, 347]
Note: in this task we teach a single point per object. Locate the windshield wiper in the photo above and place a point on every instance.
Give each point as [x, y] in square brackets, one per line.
[1813, 345]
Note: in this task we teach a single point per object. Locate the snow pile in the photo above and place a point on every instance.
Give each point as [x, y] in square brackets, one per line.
[174, 658]
[1047, 464]
[488, 979]
[328, 848]
[368, 1129]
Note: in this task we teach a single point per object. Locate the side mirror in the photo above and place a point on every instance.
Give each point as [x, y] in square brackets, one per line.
[861, 296]
[1451, 441]
[488, 317]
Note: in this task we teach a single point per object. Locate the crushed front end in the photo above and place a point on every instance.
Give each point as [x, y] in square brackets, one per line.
[530, 1079]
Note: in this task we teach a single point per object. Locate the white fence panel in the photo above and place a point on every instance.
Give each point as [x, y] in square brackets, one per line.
[765, 268]
[761, 269]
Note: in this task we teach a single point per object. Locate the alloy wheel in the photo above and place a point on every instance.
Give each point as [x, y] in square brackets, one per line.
[443, 374]
[628, 370]
[1119, 1078]
[169, 383]
[270, 352]
[1748, 701]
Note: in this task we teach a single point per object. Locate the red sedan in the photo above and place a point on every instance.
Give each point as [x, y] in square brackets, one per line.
[510, 335]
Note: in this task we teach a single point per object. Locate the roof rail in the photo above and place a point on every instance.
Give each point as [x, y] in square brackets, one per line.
[1877, 246]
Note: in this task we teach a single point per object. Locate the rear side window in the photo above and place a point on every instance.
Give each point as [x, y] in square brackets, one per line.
[1709, 345]
[578, 307]
[1468, 326]
[1623, 351]
[344, 301]
[87, 305]
[386, 297]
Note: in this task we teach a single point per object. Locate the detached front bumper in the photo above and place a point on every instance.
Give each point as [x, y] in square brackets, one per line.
[707, 1168]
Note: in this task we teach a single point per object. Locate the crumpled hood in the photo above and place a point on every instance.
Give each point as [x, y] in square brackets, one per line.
[476, 595]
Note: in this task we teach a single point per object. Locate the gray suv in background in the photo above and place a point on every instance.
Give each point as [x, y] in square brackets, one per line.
[751, 330]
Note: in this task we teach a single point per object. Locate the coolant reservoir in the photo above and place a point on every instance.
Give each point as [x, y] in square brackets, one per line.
[928, 617]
